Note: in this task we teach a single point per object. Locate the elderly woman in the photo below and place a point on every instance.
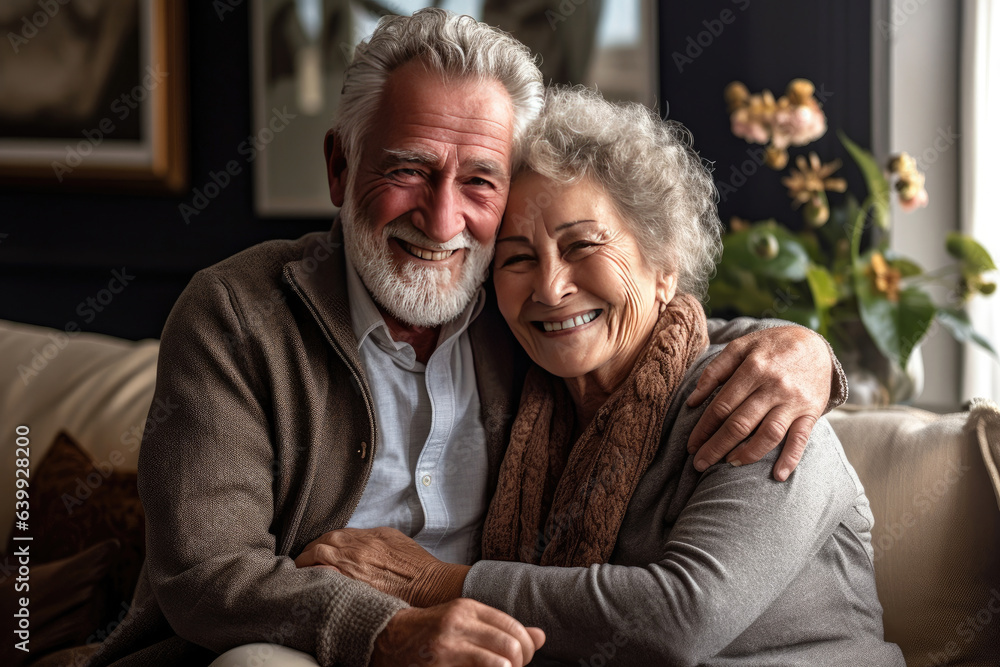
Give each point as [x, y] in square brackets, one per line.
[601, 532]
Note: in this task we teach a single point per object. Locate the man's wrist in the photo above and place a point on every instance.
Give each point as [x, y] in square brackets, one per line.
[444, 584]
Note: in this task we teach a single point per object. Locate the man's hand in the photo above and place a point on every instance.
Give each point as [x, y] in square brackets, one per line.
[389, 561]
[462, 633]
[775, 382]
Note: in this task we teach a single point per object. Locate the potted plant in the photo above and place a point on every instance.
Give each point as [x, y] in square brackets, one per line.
[833, 270]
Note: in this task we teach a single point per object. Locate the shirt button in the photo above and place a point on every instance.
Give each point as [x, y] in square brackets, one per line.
[426, 479]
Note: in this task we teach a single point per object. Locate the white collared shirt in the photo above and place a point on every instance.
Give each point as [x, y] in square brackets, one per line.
[429, 475]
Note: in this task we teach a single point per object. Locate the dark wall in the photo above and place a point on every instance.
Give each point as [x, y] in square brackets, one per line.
[61, 248]
[765, 44]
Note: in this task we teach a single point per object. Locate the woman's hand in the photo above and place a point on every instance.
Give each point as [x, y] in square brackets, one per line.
[388, 560]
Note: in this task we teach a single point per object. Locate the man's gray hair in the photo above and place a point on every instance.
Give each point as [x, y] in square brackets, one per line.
[645, 165]
[447, 43]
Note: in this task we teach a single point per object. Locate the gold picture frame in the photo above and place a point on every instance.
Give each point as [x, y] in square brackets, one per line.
[52, 138]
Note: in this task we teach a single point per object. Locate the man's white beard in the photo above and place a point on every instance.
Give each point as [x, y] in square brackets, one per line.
[414, 293]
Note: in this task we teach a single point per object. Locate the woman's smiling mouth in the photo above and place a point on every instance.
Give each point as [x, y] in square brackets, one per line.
[570, 323]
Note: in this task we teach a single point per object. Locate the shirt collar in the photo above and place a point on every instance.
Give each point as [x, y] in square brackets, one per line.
[366, 320]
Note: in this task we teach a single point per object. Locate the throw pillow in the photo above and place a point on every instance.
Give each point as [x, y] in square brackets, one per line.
[76, 503]
[67, 601]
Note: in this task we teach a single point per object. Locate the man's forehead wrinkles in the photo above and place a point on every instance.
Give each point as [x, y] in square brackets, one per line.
[433, 143]
[461, 124]
[463, 118]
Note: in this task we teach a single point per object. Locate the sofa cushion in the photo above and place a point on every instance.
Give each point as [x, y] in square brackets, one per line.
[67, 601]
[76, 504]
[97, 388]
[937, 527]
[985, 418]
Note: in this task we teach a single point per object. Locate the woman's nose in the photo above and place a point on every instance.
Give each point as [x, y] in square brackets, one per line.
[553, 283]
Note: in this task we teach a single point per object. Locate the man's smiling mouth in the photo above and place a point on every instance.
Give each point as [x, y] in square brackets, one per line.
[571, 323]
[424, 253]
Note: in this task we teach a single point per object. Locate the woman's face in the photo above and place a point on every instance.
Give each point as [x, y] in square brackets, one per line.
[571, 281]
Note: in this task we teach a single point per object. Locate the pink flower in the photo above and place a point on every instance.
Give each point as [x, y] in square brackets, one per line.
[802, 124]
[917, 201]
[751, 130]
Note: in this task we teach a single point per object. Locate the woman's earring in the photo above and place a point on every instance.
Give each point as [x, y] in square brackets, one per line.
[663, 306]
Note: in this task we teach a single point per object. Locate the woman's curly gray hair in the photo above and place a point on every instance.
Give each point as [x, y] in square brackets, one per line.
[645, 165]
[446, 43]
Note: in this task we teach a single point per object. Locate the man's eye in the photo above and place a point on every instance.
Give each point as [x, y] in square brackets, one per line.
[406, 173]
[475, 180]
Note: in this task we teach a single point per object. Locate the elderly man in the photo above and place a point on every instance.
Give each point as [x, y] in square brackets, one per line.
[364, 378]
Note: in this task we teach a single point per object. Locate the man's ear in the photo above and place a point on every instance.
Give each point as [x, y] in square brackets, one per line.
[336, 167]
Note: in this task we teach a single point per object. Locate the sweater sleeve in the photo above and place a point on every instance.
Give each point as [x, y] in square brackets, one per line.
[739, 542]
[722, 332]
[205, 478]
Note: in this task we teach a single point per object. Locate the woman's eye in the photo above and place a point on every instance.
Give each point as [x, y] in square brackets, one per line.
[515, 259]
[579, 246]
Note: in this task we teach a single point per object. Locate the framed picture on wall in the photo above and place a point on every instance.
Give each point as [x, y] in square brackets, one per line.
[101, 95]
[299, 51]
[301, 48]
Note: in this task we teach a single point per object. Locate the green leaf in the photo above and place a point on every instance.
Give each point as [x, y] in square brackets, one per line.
[975, 258]
[878, 187]
[741, 294]
[742, 249]
[896, 327]
[823, 287]
[807, 317]
[958, 324]
[906, 267]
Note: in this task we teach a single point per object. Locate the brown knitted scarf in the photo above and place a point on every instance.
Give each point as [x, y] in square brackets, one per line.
[560, 503]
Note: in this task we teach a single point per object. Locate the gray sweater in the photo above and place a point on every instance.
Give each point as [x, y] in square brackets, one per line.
[725, 567]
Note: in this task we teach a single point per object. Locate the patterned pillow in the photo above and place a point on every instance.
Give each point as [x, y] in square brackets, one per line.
[75, 504]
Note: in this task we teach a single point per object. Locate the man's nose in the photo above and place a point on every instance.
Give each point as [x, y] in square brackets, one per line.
[442, 218]
[553, 283]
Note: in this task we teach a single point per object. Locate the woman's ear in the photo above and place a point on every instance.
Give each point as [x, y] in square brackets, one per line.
[666, 288]
[336, 167]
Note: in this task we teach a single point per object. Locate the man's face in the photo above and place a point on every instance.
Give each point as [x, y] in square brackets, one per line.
[423, 205]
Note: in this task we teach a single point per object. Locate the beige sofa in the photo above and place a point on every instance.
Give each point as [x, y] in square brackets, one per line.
[932, 481]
